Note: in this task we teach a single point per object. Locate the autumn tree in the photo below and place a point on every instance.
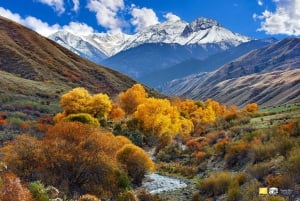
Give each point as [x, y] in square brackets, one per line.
[185, 107]
[231, 113]
[219, 109]
[130, 99]
[99, 106]
[116, 112]
[76, 101]
[186, 127]
[158, 119]
[79, 100]
[252, 107]
[136, 162]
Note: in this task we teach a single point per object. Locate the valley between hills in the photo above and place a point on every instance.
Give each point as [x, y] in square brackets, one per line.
[217, 118]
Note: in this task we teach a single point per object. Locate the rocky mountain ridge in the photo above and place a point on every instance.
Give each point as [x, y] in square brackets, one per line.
[200, 31]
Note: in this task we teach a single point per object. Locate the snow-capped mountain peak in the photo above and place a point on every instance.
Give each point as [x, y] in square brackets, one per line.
[200, 31]
[199, 25]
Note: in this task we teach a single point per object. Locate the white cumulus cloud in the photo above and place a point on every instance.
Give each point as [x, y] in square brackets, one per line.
[143, 17]
[107, 13]
[44, 28]
[76, 6]
[284, 20]
[78, 28]
[171, 17]
[57, 5]
[33, 23]
[260, 2]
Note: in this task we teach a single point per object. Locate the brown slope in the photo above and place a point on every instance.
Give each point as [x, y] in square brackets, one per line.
[27, 55]
[282, 55]
[266, 89]
[268, 76]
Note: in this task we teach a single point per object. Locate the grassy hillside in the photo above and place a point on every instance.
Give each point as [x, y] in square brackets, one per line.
[232, 161]
[35, 71]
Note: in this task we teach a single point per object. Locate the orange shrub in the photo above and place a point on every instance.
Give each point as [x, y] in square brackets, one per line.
[3, 122]
[197, 144]
[236, 153]
[221, 146]
[116, 112]
[11, 189]
[252, 107]
[136, 162]
[200, 156]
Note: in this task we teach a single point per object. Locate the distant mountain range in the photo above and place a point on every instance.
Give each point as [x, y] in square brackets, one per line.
[200, 31]
[198, 60]
[196, 65]
[234, 70]
[155, 48]
[267, 76]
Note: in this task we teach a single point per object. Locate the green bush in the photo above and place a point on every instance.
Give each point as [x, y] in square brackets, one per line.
[83, 118]
[260, 170]
[234, 192]
[293, 165]
[261, 152]
[169, 153]
[236, 154]
[178, 169]
[38, 191]
[15, 122]
[216, 184]
[126, 196]
[220, 182]
[250, 190]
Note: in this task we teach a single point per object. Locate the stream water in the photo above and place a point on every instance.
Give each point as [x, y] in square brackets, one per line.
[156, 183]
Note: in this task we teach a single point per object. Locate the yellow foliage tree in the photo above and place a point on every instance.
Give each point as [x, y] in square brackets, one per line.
[75, 101]
[203, 116]
[218, 108]
[158, 118]
[78, 101]
[185, 107]
[99, 106]
[186, 127]
[130, 99]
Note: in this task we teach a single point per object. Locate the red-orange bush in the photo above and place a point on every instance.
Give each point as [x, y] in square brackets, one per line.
[11, 189]
[200, 156]
[197, 144]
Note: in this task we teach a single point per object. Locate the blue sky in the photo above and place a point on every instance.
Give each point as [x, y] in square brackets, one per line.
[254, 18]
